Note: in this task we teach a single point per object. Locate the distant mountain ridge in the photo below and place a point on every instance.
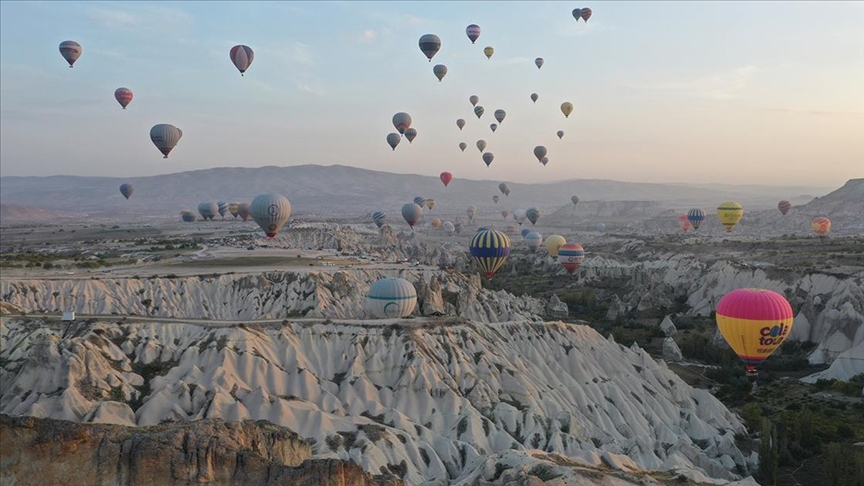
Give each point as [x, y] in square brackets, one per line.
[338, 189]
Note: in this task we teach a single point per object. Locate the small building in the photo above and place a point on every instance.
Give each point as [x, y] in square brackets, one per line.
[68, 316]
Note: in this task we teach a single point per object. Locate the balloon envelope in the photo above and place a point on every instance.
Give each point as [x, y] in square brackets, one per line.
[544, 161]
[446, 177]
[449, 228]
[378, 217]
[391, 298]
[430, 44]
[821, 226]
[402, 122]
[420, 201]
[271, 212]
[571, 256]
[473, 32]
[729, 213]
[575, 200]
[243, 211]
[560, 134]
[127, 190]
[208, 210]
[474, 99]
[500, 115]
[566, 108]
[696, 216]
[495, 199]
[71, 51]
[481, 145]
[493, 127]
[538, 62]
[463, 146]
[393, 140]
[488, 157]
[165, 137]
[784, 207]
[754, 322]
[430, 203]
[411, 134]
[435, 223]
[488, 50]
[533, 214]
[412, 213]
[520, 215]
[187, 216]
[233, 208]
[534, 97]
[533, 240]
[123, 96]
[553, 243]
[490, 250]
[539, 152]
[222, 208]
[242, 57]
[460, 123]
[439, 70]
[471, 211]
[504, 188]
[478, 110]
[585, 13]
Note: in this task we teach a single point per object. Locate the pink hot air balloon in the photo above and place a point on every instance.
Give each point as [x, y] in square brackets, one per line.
[123, 96]
[446, 177]
[242, 57]
[585, 13]
[473, 32]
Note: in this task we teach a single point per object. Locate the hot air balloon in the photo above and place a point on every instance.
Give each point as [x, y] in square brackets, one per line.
[435, 223]
[420, 201]
[471, 212]
[585, 13]
[457, 226]
[412, 213]
[488, 50]
[473, 32]
[393, 140]
[233, 208]
[495, 199]
[533, 240]
[488, 157]
[449, 228]
[478, 110]
[439, 70]
[481, 145]
[165, 137]
[123, 96]
[533, 214]
[784, 207]
[601, 227]
[474, 99]
[391, 298]
[566, 108]
[821, 226]
[577, 14]
[729, 213]
[538, 62]
[71, 51]
[378, 217]
[187, 216]
[430, 203]
[534, 97]
[560, 134]
[402, 122]
[539, 152]
[571, 256]
[575, 200]
[463, 146]
[460, 123]
[524, 232]
[243, 211]
[271, 212]
[505, 214]
[504, 188]
[553, 243]
[242, 57]
[222, 207]
[208, 210]
[684, 222]
[754, 322]
[493, 127]
[520, 215]
[126, 189]
[544, 161]
[500, 115]
[411, 134]
[490, 249]
[696, 216]
[446, 177]
[430, 44]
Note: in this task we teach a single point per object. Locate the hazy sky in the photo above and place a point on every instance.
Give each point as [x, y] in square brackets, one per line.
[769, 92]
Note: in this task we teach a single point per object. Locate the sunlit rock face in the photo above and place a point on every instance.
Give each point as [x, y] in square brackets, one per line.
[432, 398]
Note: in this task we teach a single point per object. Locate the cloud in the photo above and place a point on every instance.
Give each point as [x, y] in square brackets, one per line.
[316, 90]
[399, 19]
[721, 86]
[368, 36]
[140, 18]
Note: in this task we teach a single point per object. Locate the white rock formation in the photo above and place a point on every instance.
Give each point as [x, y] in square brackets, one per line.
[556, 309]
[668, 327]
[847, 365]
[671, 351]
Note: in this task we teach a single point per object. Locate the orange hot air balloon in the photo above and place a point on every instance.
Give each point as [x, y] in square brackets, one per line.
[446, 177]
[821, 226]
[754, 322]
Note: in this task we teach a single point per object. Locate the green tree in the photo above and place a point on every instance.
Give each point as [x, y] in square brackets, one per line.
[768, 454]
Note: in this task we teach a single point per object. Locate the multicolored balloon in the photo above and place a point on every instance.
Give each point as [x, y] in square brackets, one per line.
[420, 201]
[242, 57]
[234, 209]
[430, 44]
[402, 122]
[784, 207]
[126, 189]
[585, 13]
[754, 322]
[571, 256]
[821, 226]
[412, 213]
[71, 51]
[165, 137]
[446, 177]
[696, 216]
[222, 208]
[123, 96]
[730, 213]
[490, 249]
[271, 212]
[473, 32]
[391, 298]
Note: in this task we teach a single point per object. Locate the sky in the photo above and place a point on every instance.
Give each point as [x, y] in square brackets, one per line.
[700, 92]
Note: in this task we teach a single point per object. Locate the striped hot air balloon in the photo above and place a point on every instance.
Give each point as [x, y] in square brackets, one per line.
[420, 201]
[71, 51]
[271, 212]
[126, 189]
[784, 207]
[123, 96]
[378, 217]
[165, 137]
[242, 57]
[571, 256]
[490, 249]
[585, 13]
[411, 134]
[821, 226]
[754, 322]
[430, 44]
[696, 216]
[533, 240]
[391, 298]
[473, 32]
[439, 70]
[533, 214]
[553, 244]
[729, 213]
[479, 110]
[222, 208]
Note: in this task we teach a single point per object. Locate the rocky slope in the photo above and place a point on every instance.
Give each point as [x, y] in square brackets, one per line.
[211, 451]
[430, 402]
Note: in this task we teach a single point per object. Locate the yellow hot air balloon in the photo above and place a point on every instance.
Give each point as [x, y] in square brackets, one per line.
[488, 50]
[729, 213]
[553, 243]
[566, 108]
[754, 322]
